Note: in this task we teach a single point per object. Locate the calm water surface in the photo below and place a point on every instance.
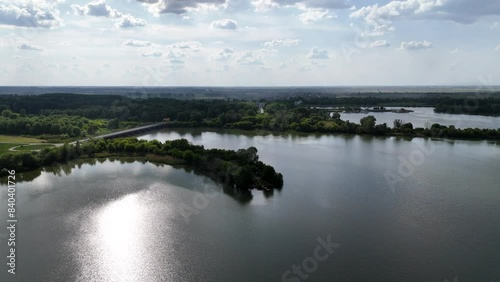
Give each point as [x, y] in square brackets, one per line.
[425, 116]
[115, 220]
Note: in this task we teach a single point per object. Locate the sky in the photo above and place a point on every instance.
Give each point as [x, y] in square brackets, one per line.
[249, 42]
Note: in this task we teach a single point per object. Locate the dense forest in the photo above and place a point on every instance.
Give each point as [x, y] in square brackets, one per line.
[241, 169]
[67, 115]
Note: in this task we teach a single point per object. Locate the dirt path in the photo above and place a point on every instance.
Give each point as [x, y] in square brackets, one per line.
[13, 149]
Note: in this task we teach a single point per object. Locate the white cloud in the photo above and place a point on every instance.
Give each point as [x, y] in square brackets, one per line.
[380, 18]
[312, 15]
[152, 54]
[96, 8]
[175, 58]
[224, 55]
[127, 21]
[249, 59]
[273, 38]
[380, 43]
[99, 8]
[317, 53]
[311, 10]
[224, 24]
[29, 47]
[263, 5]
[30, 13]
[416, 45]
[179, 6]
[137, 43]
[188, 45]
[282, 43]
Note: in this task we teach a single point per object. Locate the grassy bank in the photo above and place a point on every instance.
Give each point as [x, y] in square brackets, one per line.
[19, 139]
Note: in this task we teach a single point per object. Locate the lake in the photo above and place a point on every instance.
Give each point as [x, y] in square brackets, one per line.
[426, 116]
[353, 208]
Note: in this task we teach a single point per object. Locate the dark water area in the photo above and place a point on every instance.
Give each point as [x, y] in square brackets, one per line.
[353, 208]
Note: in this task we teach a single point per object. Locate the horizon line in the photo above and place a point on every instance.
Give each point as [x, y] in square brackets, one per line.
[249, 86]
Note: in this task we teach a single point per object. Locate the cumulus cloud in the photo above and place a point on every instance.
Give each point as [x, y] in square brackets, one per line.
[416, 45]
[224, 55]
[29, 47]
[312, 15]
[224, 24]
[178, 6]
[99, 8]
[175, 58]
[282, 43]
[262, 5]
[137, 43]
[379, 43]
[311, 10]
[249, 59]
[96, 8]
[28, 13]
[152, 54]
[460, 11]
[130, 21]
[187, 45]
[317, 53]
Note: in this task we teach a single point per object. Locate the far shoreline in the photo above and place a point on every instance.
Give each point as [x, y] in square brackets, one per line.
[266, 132]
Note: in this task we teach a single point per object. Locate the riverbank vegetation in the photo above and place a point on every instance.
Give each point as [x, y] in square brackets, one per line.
[241, 169]
[480, 104]
[67, 117]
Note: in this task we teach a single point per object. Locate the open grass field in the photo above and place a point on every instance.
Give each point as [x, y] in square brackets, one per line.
[18, 139]
[7, 142]
[4, 147]
[33, 147]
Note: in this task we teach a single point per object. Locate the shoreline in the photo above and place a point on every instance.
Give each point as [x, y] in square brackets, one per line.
[265, 132]
[240, 169]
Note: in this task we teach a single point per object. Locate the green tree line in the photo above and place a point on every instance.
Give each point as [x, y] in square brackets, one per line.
[276, 115]
[241, 169]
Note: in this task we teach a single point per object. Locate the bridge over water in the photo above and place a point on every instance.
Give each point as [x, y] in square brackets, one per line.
[132, 131]
[126, 132]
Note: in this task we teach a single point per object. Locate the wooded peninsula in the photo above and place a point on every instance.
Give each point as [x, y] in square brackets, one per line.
[67, 118]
